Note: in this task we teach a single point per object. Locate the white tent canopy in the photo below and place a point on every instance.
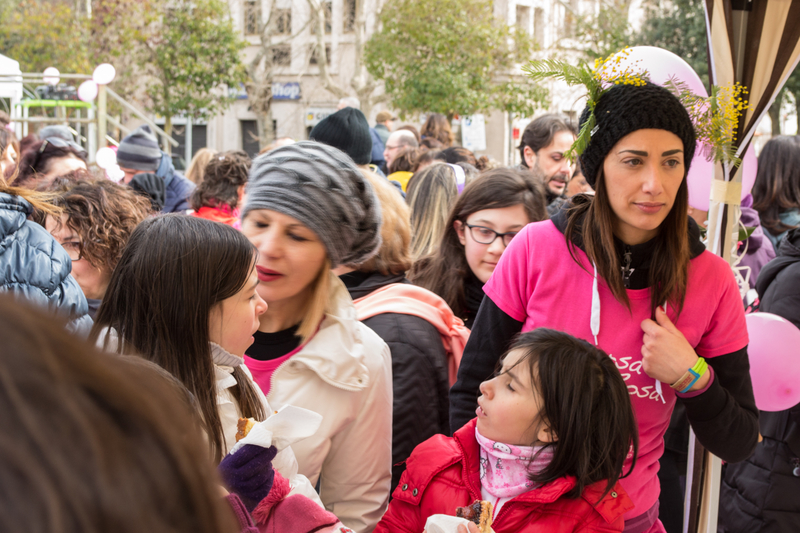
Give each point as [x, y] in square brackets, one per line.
[9, 87]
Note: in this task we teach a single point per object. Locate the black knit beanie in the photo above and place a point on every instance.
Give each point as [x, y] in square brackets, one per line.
[628, 108]
[347, 130]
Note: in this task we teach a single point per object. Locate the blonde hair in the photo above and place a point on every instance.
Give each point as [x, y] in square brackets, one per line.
[197, 167]
[42, 202]
[318, 303]
[431, 196]
[394, 255]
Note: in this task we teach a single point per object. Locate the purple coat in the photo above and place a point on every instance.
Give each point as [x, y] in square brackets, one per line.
[759, 248]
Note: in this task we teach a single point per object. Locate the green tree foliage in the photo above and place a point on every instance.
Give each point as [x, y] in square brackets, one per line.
[680, 27]
[42, 33]
[184, 53]
[450, 57]
[192, 54]
[792, 87]
[606, 32]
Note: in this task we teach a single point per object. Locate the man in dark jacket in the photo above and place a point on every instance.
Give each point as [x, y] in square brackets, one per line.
[139, 152]
[762, 493]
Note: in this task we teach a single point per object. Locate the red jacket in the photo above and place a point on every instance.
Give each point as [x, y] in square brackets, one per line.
[215, 214]
[443, 473]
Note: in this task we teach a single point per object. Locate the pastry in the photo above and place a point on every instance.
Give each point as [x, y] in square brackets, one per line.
[479, 512]
[243, 427]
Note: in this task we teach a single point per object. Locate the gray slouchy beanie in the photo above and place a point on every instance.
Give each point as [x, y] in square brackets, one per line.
[321, 187]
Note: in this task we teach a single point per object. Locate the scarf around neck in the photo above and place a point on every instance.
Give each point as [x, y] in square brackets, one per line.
[505, 468]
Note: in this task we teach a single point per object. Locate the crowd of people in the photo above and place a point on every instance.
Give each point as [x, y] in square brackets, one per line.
[539, 337]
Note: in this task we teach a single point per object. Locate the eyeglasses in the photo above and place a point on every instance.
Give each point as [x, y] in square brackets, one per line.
[74, 249]
[484, 235]
[393, 147]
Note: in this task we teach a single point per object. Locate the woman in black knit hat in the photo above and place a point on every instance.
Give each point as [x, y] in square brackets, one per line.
[625, 270]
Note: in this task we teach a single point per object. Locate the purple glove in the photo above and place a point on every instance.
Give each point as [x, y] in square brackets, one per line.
[249, 473]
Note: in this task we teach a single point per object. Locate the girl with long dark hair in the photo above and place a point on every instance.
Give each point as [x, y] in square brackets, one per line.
[487, 215]
[626, 271]
[183, 295]
[776, 191]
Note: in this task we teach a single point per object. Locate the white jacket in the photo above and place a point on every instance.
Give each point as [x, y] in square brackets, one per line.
[229, 414]
[343, 373]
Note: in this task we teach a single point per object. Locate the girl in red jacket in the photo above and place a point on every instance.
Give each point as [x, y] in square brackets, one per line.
[552, 432]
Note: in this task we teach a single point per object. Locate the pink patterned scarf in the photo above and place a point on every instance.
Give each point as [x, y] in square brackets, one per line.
[505, 468]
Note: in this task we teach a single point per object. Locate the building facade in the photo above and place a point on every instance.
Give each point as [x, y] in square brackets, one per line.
[300, 99]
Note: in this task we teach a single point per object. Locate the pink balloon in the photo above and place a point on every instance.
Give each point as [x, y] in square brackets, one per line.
[749, 169]
[699, 179]
[701, 174]
[774, 361]
[662, 65]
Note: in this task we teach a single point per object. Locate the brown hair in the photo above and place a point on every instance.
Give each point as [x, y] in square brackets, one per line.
[414, 131]
[438, 127]
[394, 256]
[173, 272]
[40, 201]
[198, 165]
[591, 219]
[777, 185]
[36, 161]
[444, 271]
[539, 133]
[93, 442]
[103, 214]
[431, 144]
[459, 154]
[223, 175]
[405, 161]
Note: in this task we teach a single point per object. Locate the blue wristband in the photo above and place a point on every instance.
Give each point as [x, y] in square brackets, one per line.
[691, 384]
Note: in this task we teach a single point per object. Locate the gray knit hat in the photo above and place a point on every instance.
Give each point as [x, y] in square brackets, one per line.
[321, 187]
[139, 150]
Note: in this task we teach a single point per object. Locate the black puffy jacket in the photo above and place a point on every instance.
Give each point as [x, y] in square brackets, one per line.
[762, 494]
[419, 371]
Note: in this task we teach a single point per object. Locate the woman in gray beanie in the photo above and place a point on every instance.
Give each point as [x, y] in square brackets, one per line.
[308, 210]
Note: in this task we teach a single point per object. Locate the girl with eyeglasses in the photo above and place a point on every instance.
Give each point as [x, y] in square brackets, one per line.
[487, 215]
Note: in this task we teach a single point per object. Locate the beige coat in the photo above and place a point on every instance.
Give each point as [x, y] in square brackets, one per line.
[343, 373]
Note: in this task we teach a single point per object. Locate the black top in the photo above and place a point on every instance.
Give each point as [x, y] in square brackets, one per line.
[724, 417]
[419, 371]
[473, 296]
[269, 346]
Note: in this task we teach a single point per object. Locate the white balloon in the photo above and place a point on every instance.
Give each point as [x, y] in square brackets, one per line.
[115, 173]
[51, 76]
[87, 91]
[104, 74]
[106, 158]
